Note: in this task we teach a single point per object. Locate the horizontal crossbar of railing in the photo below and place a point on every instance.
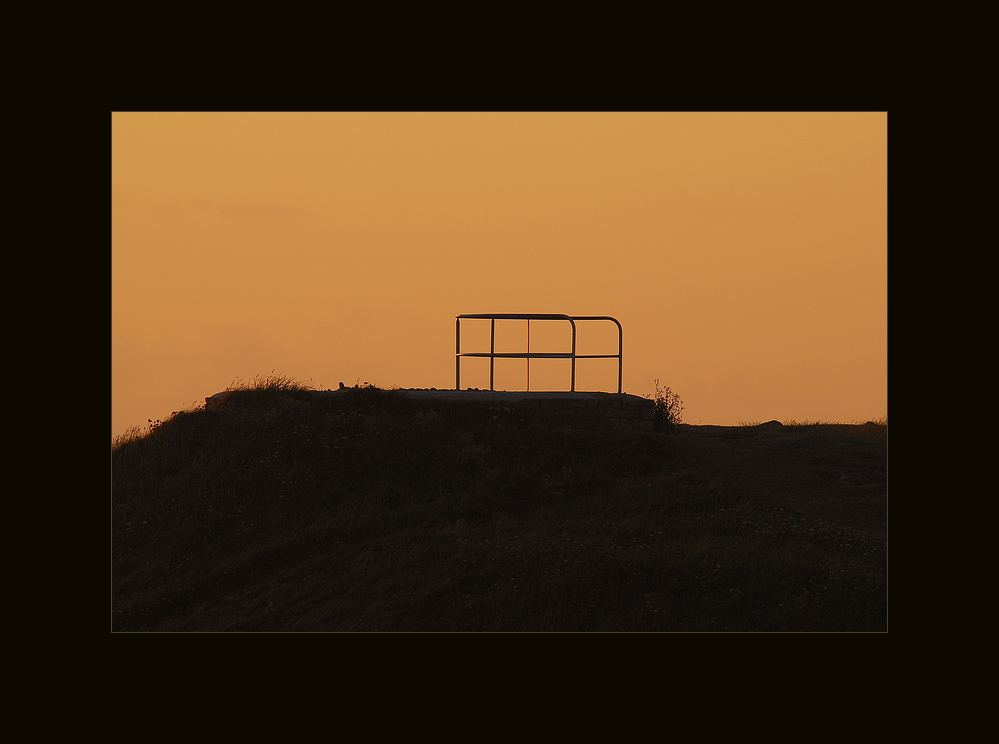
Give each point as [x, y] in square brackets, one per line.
[537, 355]
[519, 355]
[492, 355]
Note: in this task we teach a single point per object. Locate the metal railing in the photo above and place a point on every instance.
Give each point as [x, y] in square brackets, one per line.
[528, 355]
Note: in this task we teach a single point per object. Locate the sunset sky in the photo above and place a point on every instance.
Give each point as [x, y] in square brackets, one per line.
[745, 254]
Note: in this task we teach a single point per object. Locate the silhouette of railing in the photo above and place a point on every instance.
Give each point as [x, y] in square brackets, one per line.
[528, 355]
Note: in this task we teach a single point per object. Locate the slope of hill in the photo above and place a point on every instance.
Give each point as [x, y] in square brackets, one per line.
[287, 511]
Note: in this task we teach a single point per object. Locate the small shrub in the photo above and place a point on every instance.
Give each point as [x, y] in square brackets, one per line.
[669, 407]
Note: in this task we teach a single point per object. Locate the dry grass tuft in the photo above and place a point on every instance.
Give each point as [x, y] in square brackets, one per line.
[272, 381]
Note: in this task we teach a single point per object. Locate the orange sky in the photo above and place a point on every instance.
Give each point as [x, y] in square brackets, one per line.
[745, 254]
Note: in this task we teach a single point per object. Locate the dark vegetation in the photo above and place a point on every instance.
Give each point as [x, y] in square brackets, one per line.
[288, 510]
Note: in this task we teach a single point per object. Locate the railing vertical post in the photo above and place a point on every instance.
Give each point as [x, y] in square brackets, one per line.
[620, 356]
[528, 355]
[457, 353]
[492, 350]
[572, 381]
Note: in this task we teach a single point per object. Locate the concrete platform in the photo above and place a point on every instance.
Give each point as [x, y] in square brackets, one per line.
[579, 408]
[576, 409]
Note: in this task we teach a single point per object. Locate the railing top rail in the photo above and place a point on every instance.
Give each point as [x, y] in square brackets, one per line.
[517, 316]
[594, 317]
[536, 316]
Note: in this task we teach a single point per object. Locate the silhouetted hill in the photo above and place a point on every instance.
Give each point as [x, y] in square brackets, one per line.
[364, 511]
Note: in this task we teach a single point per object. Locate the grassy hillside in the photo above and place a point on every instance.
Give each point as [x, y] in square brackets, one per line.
[365, 511]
